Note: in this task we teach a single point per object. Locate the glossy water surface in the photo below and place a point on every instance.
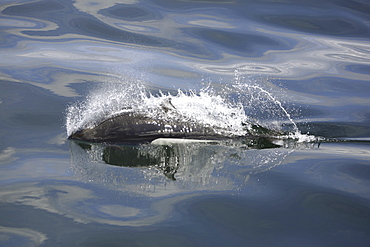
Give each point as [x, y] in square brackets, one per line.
[313, 57]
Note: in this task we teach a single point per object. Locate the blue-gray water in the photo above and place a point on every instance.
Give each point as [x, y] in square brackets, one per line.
[312, 56]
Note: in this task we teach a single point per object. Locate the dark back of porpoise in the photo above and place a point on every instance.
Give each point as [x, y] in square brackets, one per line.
[133, 127]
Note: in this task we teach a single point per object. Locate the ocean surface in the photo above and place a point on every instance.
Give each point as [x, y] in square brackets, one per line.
[299, 66]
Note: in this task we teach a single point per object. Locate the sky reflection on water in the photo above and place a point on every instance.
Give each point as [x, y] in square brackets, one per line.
[238, 197]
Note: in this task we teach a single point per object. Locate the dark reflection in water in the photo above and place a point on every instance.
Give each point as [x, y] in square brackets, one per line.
[189, 160]
[362, 69]
[130, 13]
[314, 19]
[324, 25]
[194, 166]
[317, 216]
[359, 171]
[45, 9]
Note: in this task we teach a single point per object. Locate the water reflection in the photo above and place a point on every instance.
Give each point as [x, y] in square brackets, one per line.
[168, 168]
[319, 52]
[129, 13]
[11, 236]
[214, 38]
[138, 189]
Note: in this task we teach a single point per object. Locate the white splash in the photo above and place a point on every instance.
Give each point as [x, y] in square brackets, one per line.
[204, 108]
[225, 114]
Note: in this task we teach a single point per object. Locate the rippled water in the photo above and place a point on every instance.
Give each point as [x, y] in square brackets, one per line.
[312, 57]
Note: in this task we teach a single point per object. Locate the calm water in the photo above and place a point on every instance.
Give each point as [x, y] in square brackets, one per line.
[312, 57]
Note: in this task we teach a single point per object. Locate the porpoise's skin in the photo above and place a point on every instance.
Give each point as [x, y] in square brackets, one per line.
[133, 127]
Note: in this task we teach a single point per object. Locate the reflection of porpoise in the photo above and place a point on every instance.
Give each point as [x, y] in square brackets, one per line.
[132, 127]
